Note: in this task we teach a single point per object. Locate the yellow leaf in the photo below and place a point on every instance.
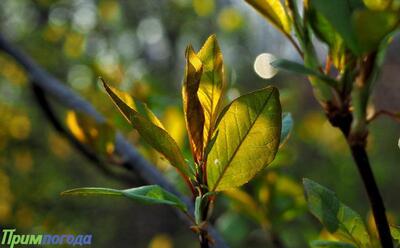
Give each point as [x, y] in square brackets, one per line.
[138, 106]
[274, 11]
[212, 85]
[174, 124]
[153, 134]
[194, 115]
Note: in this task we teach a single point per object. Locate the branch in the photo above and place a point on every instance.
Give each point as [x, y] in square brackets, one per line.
[88, 153]
[360, 157]
[393, 115]
[65, 96]
[378, 208]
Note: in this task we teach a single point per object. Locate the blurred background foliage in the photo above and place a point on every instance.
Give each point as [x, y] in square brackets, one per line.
[139, 46]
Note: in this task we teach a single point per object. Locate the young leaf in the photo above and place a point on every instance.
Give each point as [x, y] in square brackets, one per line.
[287, 125]
[338, 14]
[149, 194]
[330, 244]
[247, 139]
[128, 103]
[194, 115]
[339, 219]
[212, 84]
[301, 69]
[274, 11]
[153, 134]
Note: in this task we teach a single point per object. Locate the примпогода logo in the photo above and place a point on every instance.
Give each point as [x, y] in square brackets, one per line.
[9, 238]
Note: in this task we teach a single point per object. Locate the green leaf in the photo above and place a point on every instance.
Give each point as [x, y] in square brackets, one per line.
[330, 244]
[395, 231]
[371, 27]
[326, 33]
[212, 85]
[338, 14]
[246, 139]
[274, 11]
[194, 115]
[338, 219]
[152, 133]
[149, 194]
[287, 126]
[301, 69]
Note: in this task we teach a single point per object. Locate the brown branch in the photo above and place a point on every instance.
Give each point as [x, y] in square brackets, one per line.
[393, 115]
[357, 144]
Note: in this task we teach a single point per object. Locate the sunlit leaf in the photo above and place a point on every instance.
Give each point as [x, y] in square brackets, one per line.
[338, 219]
[287, 125]
[149, 194]
[131, 103]
[194, 114]
[212, 84]
[174, 122]
[153, 134]
[371, 27]
[331, 244]
[274, 11]
[301, 69]
[247, 139]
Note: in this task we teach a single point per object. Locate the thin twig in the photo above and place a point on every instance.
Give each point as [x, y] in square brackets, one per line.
[393, 115]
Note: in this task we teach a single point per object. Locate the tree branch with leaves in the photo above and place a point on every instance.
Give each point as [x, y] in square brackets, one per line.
[229, 145]
[357, 34]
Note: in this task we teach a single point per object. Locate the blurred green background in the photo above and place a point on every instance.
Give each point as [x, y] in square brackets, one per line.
[139, 47]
